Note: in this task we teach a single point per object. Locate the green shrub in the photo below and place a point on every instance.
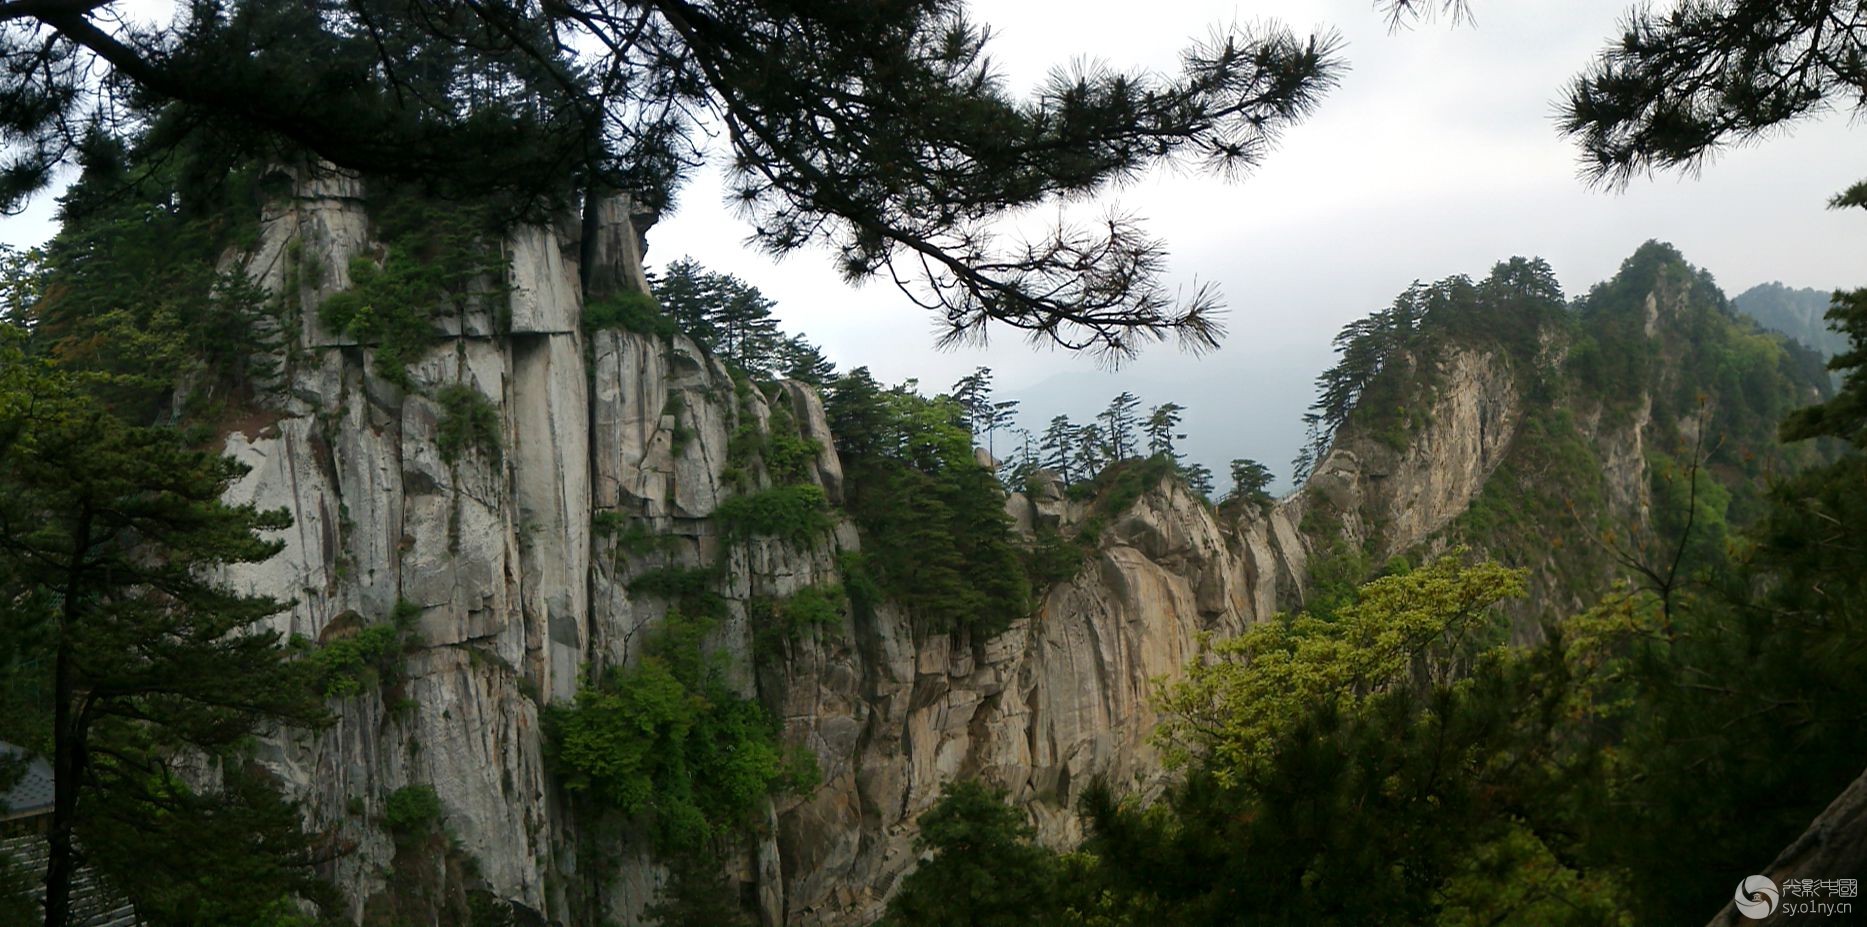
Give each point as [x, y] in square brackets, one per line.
[348, 666]
[859, 585]
[628, 535]
[435, 256]
[788, 455]
[689, 588]
[668, 739]
[629, 311]
[468, 422]
[814, 607]
[412, 811]
[1054, 558]
[1120, 485]
[796, 514]
[776, 622]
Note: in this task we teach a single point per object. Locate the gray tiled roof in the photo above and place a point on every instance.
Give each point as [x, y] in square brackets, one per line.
[32, 794]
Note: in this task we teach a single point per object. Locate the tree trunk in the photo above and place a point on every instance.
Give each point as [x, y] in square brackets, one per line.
[67, 741]
[65, 769]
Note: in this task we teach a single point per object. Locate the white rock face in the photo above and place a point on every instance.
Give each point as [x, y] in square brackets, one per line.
[518, 594]
[518, 561]
[1402, 496]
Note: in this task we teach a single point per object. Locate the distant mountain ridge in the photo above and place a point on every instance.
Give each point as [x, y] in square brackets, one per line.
[1549, 434]
[1799, 312]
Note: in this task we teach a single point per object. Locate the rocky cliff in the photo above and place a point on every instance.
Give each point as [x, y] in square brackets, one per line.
[514, 595]
[511, 561]
[1561, 438]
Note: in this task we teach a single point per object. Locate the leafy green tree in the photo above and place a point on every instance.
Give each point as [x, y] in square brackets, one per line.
[1395, 764]
[984, 870]
[668, 738]
[111, 532]
[924, 148]
[1420, 629]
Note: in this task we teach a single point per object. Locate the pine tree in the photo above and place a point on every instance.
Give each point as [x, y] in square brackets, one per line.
[985, 869]
[1118, 424]
[748, 333]
[1092, 452]
[1682, 83]
[536, 103]
[857, 409]
[798, 359]
[1198, 479]
[1057, 449]
[691, 295]
[112, 532]
[1003, 415]
[973, 393]
[1017, 471]
[1163, 421]
[1250, 482]
[936, 537]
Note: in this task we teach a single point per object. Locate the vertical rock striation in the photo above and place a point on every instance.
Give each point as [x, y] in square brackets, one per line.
[515, 595]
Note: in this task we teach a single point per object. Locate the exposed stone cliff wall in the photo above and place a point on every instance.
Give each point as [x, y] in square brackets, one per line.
[517, 594]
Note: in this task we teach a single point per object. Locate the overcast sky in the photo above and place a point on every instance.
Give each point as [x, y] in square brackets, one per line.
[1436, 156]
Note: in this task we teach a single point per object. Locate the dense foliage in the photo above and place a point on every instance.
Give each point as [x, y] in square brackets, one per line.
[110, 533]
[371, 656]
[669, 741]
[985, 870]
[436, 259]
[1392, 760]
[468, 422]
[936, 537]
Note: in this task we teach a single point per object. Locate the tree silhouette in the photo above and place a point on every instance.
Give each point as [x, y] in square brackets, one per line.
[879, 131]
[1058, 448]
[1118, 425]
[1250, 481]
[1162, 426]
